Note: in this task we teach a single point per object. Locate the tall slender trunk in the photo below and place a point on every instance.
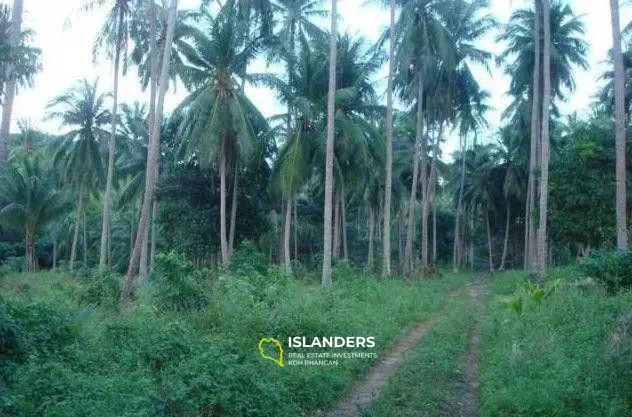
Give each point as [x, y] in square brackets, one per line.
[489, 241]
[75, 237]
[434, 224]
[153, 149]
[286, 237]
[31, 262]
[408, 259]
[295, 223]
[343, 224]
[459, 214]
[222, 204]
[386, 235]
[329, 161]
[426, 195]
[369, 258]
[400, 239]
[544, 166]
[85, 240]
[154, 231]
[336, 231]
[11, 83]
[471, 248]
[620, 123]
[536, 106]
[233, 211]
[507, 221]
[143, 268]
[111, 144]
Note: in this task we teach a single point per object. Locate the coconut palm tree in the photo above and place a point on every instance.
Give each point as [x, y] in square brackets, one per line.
[159, 83]
[329, 154]
[217, 121]
[619, 115]
[30, 197]
[113, 39]
[19, 66]
[81, 108]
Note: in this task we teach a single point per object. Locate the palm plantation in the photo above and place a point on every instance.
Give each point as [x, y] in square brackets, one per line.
[444, 178]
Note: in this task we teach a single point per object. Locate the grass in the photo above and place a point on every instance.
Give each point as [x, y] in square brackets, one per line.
[69, 353]
[557, 359]
[430, 383]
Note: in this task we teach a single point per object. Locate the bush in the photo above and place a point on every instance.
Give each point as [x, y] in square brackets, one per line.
[176, 285]
[103, 289]
[613, 269]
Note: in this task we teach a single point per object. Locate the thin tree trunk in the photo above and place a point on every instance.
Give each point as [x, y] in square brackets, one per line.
[152, 151]
[233, 211]
[295, 228]
[336, 230]
[459, 213]
[535, 138]
[434, 227]
[154, 230]
[544, 166]
[286, 237]
[426, 196]
[386, 235]
[75, 238]
[111, 144]
[222, 205]
[620, 122]
[143, 269]
[55, 237]
[400, 239]
[408, 259]
[489, 241]
[471, 240]
[343, 218]
[369, 258]
[11, 83]
[507, 221]
[85, 240]
[329, 161]
[30, 249]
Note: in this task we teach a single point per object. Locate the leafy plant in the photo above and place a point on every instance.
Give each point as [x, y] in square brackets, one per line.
[613, 269]
[175, 283]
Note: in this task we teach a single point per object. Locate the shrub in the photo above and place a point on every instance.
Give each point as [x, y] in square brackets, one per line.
[175, 284]
[102, 289]
[613, 269]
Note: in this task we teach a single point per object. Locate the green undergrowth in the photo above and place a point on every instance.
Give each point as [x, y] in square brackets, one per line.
[431, 382]
[569, 354]
[188, 347]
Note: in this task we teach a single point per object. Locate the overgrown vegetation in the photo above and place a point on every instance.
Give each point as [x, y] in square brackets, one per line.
[566, 356]
[189, 345]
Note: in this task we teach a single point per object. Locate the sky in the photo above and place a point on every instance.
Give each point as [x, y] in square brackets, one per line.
[66, 36]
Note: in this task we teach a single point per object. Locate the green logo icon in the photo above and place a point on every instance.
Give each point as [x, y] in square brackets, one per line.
[267, 342]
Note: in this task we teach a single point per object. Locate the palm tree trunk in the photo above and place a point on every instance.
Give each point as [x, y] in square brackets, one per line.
[459, 213]
[471, 249]
[85, 239]
[426, 195]
[343, 218]
[153, 149]
[369, 258]
[536, 106]
[75, 238]
[408, 259]
[386, 241]
[154, 230]
[143, 270]
[11, 82]
[544, 166]
[286, 237]
[222, 205]
[30, 249]
[336, 230]
[620, 119]
[111, 144]
[233, 212]
[295, 228]
[489, 241]
[507, 221]
[434, 226]
[400, 239]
